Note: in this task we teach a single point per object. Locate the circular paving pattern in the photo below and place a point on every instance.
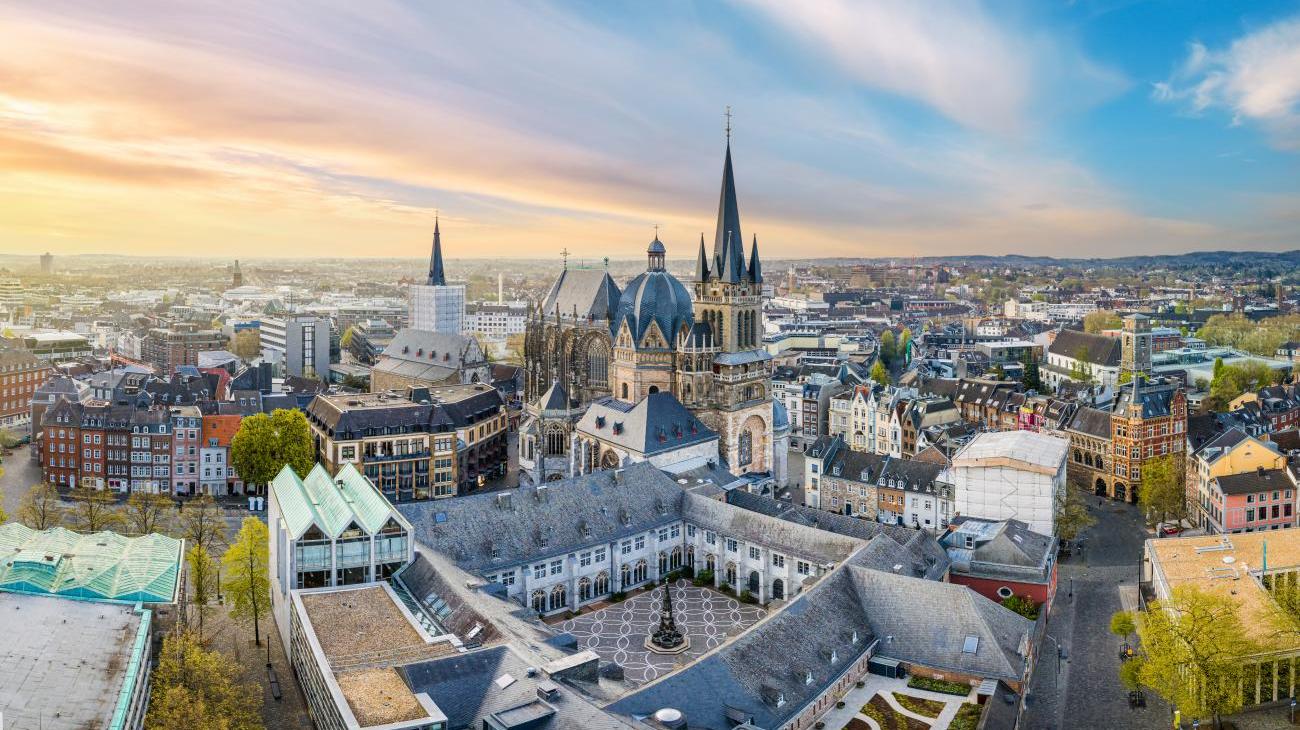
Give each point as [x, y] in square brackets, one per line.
[617, 633]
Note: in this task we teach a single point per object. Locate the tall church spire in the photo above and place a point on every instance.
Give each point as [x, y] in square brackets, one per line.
[728, 243]
[755, 268]
[436, 275]
[702, 266]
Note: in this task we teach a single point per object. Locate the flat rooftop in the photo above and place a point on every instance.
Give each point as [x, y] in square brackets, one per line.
[365, 635]
[64, 662]
[1228, 565]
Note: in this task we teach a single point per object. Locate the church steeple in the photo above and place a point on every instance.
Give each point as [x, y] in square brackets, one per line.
[702, 266]
[436, 275]
[755, 268]
[728, 242]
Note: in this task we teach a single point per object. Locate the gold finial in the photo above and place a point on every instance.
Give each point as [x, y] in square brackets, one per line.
[564, 256]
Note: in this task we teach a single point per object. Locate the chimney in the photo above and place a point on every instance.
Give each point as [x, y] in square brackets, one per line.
[618, 476]
[501, 287]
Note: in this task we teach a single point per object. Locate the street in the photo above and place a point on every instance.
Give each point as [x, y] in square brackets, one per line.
[1088, 690]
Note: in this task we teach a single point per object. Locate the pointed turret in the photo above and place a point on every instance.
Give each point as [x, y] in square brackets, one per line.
[755, 268]
[436, 275]
[728, 240]
[702, 266]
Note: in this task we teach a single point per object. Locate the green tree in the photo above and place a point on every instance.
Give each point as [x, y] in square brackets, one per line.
[1081, 369]
[1022, 605]
[247, 344]
[41, 507]
[1032, 378]
[94, 510]
[1102, 319]
[879, 373]
[196, 688]
[904, 344]
[1130, 673]
[1122, 624]
[203, 521]
[1072, 516]
[145, 512]
[1163, 496]
[265, 444]
[8, 439]
[346, 340]
[202, 581]
[887, 346]
[248, 581]
[1193, 645]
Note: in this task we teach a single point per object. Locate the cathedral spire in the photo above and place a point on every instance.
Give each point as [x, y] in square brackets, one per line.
[755, 268]
[436, 275]
[702, 266]
[728, 242]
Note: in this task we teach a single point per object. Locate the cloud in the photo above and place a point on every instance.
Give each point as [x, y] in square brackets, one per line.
[973, 67]
[1256, 79]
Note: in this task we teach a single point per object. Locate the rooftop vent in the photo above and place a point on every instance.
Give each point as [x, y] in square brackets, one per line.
[670, 718]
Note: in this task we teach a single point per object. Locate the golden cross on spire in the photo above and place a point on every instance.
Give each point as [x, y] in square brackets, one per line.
[727, 114]
[564, 255]
[656, 231]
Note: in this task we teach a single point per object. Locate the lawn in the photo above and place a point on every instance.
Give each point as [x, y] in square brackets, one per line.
[968, 717]
[888, 718]
[919, 705]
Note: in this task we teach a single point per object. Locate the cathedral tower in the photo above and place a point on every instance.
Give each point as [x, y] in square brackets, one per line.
[728, 298]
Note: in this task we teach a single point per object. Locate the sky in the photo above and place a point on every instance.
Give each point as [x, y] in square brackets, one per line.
[882, 129]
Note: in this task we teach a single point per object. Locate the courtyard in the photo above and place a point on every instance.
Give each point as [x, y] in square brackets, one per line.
[617, 632]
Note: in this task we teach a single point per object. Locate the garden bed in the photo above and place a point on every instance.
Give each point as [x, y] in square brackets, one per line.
[888, 718]
[968, 717]
[939, 685]
[919, 705]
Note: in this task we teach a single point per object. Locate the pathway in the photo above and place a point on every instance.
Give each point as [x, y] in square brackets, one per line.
[856, 697]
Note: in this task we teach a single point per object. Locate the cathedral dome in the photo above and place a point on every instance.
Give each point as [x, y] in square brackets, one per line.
[654, 296]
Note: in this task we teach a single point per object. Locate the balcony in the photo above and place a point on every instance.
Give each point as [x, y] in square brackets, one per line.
[382, 458]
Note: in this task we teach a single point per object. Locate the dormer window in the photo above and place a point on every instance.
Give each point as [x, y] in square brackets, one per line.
[807, 677]
[855, 636]
[835, 657]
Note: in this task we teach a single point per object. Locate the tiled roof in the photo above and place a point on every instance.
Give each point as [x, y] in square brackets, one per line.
[655, 424]
[590, 292]
[1095, 349]
[1259, 480]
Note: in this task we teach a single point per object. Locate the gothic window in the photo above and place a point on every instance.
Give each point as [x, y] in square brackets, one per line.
[625, 575]
[539, 601]
[609, 460]
[556, 442]
[746, 456]
[602, 583]
[639, 573]
[559, 597]
[584, 590]
[597, 365]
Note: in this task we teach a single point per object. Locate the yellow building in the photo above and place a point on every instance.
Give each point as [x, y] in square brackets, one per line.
[1231, 452]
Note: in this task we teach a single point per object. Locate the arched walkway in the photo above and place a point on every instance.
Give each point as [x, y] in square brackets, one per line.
[778, 589]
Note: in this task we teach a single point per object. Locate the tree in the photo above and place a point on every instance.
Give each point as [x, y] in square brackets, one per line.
[1031, 378]
[41, 508]
[248, 584]
[879, 374]
[905, 344]
[1102, 319]
[346, 340]
[265, 444]
[8, 439]
[145, 512]
[1163, 496]
[1022, 605]
[247, 344]
[203, 521]
[1122, 624]
[195, 688]
[998, 371]
[94, 510]
[887, 346]
[1072, 516]
[1193, 644]
[1230, 381]
[1130, 673]
[202, 581]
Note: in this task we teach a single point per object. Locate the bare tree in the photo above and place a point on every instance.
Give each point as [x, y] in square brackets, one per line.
[204, 523]
[41, 508]
[94, 510]
[146, 512]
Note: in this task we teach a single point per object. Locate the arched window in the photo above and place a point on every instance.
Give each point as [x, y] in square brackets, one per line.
[559, 597]
[675, 558]
[653, 389]
[602, 583]
[746, 448]
[690, 555]
[557, 444]
[663, 563]
[710, 562]
[539, 601]
[639, 573]
[624, 391]
[625, 576]
[584, 590]
[597, 365]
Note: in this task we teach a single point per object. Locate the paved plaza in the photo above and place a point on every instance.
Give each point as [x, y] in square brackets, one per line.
[617, 633]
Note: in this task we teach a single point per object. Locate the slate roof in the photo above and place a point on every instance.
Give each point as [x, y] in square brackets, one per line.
[654, 296]
[1091, 421]
[781, 535]
[483, 532]
[1096, 349]
[591, 292]
[1259, 480]
[1002, 549]
[656, 424]
[1155, 397]
[464, 687]
[1221, 444]
[427, 355]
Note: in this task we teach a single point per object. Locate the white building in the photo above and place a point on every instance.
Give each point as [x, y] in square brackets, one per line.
[497, 320]
[435, 305]
[297, 345]
[1008, 475]
[328, 532]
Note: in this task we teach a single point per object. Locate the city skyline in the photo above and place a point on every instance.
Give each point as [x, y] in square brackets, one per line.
[1076, 129]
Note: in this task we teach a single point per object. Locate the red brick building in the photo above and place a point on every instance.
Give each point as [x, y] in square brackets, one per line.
[21, 373]
[1001, 559]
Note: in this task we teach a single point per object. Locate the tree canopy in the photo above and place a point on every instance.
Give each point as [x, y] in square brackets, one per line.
[1261, 337]
[196, 688]
[1163, 496]
[94, 510]
[1102, 319]
[1230, 381]
[41, 507]
[248, 582]
[265, 444]
[1193, 645]
[1072, 516]
[879, 374]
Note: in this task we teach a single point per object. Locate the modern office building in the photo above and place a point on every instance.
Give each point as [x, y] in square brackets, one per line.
[435, 305]
[297, 345]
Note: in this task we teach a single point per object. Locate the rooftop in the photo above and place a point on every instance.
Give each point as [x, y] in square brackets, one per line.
[99, 566]
[331, 503]
[1025, 450]
[65, 662]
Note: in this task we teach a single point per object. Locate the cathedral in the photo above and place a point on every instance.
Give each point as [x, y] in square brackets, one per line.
[588, 341]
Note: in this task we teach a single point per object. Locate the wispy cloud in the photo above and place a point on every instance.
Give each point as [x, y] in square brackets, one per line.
[1256, 79]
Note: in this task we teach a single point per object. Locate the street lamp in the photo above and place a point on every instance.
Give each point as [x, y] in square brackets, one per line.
[1292, 710]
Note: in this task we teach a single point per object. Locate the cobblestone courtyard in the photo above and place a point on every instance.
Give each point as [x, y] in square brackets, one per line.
[617, 633]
